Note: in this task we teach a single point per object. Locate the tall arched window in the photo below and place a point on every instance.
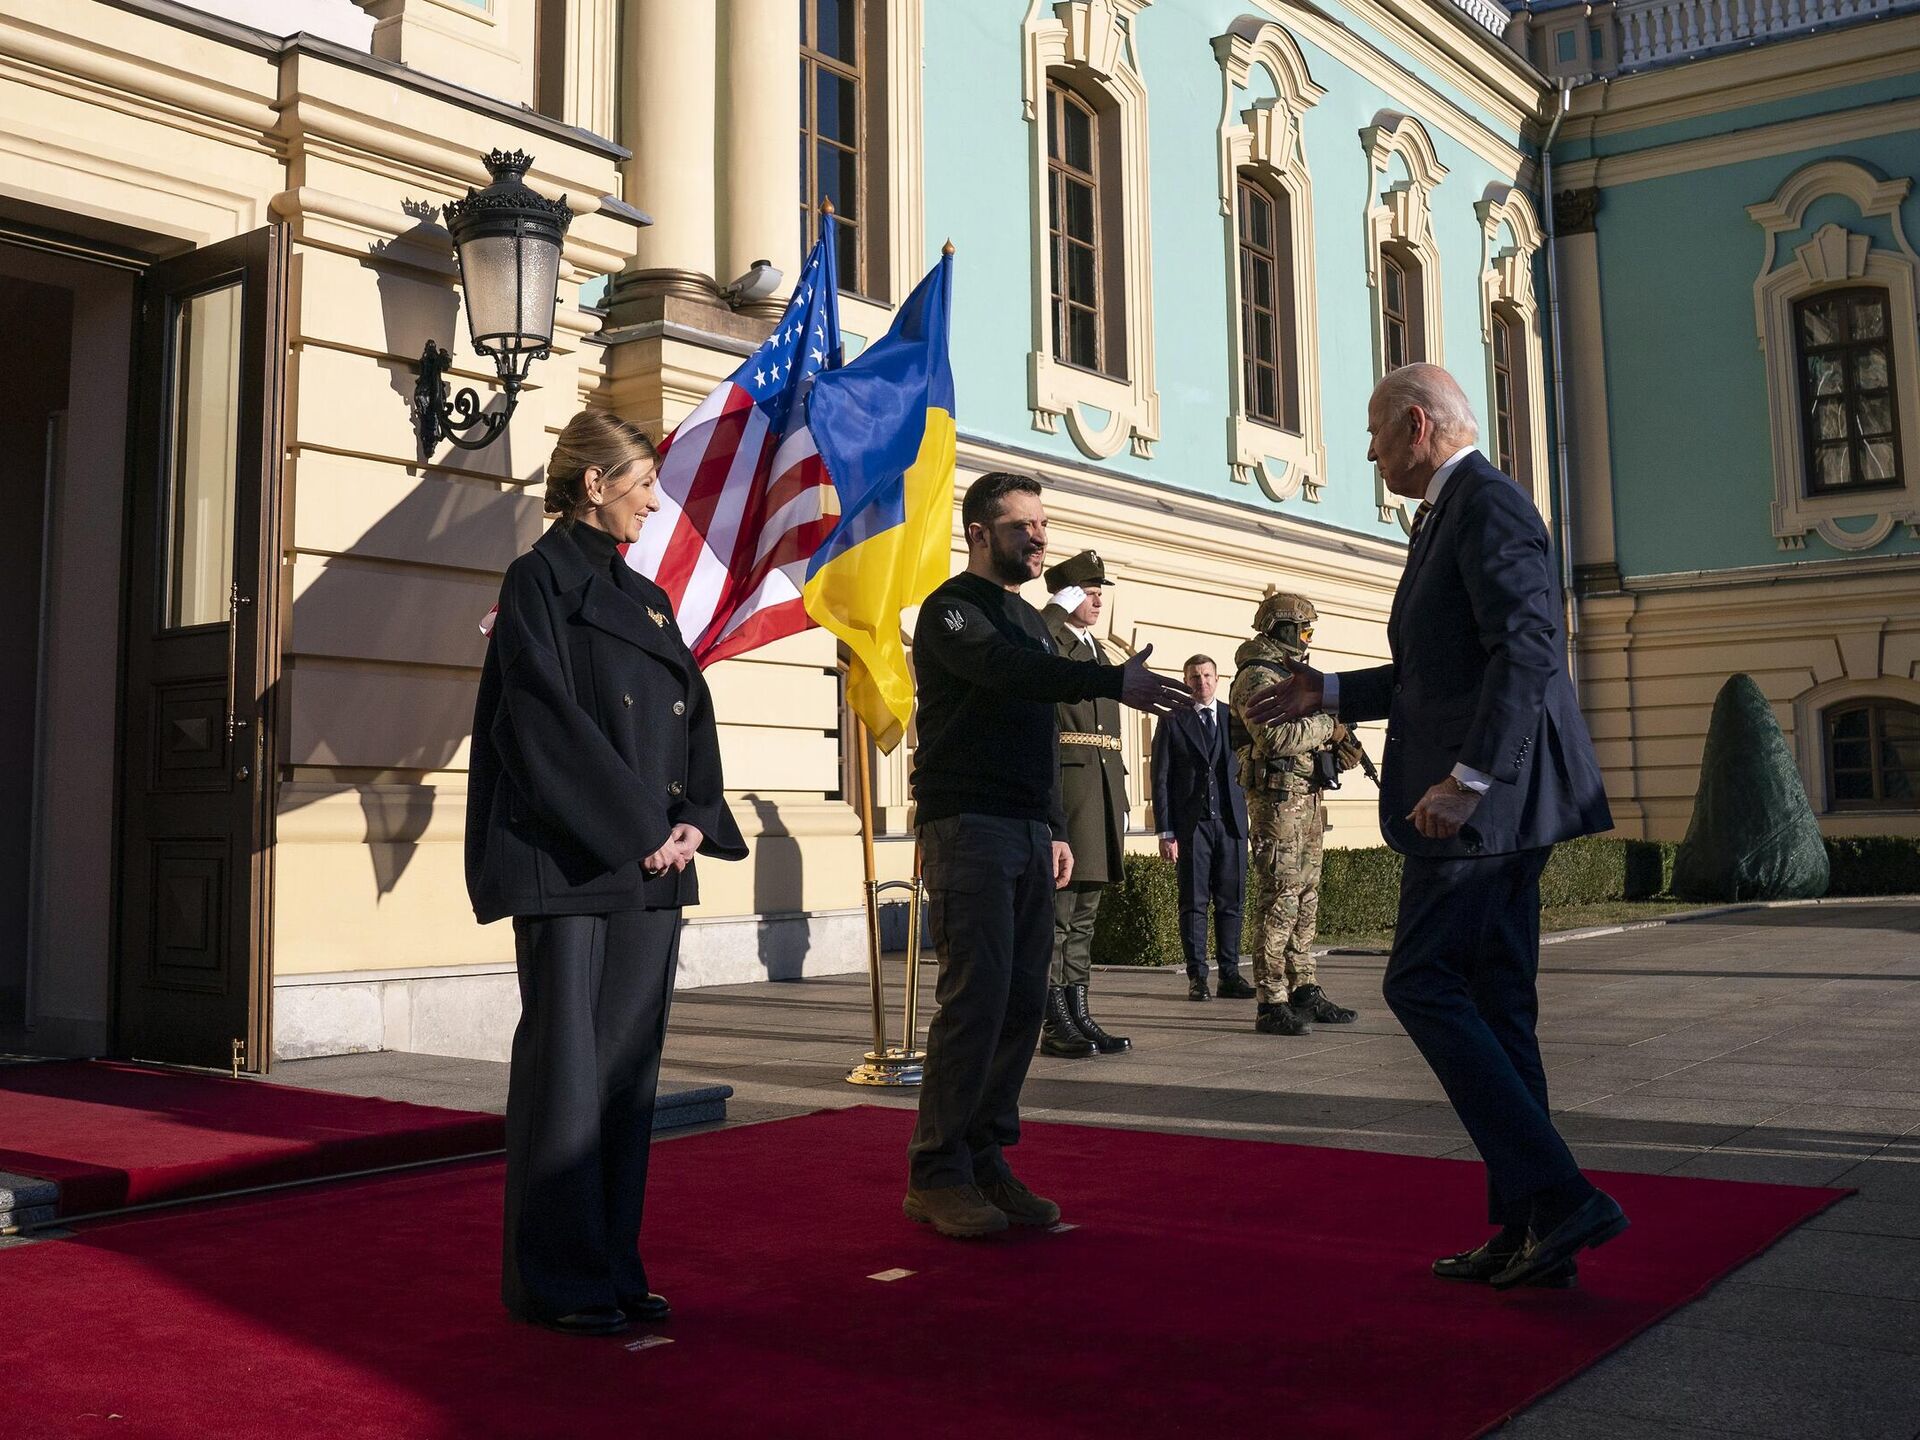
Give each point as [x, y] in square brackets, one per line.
[1083, 233]
[1402, 320]
[843, 136]
[1847, 392]
[1512, 433]
[1269, 329]
[1873, 755]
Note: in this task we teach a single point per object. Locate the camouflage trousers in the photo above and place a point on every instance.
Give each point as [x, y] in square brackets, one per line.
[1286, 836]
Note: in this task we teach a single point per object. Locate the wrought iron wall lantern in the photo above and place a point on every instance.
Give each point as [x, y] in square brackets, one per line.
[507, 240]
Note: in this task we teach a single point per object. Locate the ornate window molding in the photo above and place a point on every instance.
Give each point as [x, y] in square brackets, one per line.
[1263, 140]
[1811, 709]
[1834, 258]
[1399, 213]
[1090, 46]
[1510, 238]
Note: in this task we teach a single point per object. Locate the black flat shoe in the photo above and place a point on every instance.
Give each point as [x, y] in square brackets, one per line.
[1478, 1267]
[1232, 987]
[1197, 990]
[648, 1310]
[597, 1320]
[1597, 1221]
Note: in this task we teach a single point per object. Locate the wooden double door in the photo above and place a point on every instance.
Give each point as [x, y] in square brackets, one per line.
[192, 981]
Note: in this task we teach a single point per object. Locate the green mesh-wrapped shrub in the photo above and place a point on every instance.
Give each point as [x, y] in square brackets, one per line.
[1753, 835]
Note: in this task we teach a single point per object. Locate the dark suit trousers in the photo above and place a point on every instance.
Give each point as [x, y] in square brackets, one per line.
[1466, 951]
[586, 1060]
[1212, 870]
[990, 912]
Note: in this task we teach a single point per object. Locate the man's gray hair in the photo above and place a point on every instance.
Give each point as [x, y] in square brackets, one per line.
[1434, 391]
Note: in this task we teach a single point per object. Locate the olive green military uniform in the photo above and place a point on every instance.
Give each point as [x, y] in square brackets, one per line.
[1284, 823]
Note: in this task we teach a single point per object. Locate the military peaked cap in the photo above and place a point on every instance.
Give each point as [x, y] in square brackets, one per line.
[1083, 570]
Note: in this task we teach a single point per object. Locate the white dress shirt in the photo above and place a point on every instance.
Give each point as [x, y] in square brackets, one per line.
[1473, 779]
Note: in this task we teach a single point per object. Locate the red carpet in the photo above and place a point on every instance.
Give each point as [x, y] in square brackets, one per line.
[1213, 1288]
[114, 1134]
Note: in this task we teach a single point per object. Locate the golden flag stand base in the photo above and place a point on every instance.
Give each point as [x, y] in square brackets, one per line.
[891, 1065]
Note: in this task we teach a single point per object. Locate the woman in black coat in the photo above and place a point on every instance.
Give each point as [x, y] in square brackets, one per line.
[594, 780]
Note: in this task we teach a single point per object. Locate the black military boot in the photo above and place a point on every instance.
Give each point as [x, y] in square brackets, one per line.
[1280, 1020]
[1058, 1037]
[1310, 1002]
[1088, 1026]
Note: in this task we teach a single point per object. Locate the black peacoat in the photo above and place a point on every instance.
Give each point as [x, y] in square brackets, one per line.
[1093, 778]
[593, 736]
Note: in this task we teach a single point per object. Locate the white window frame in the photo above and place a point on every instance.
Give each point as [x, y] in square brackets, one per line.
[1265, 138]
[1092, 45]
[1836, 258]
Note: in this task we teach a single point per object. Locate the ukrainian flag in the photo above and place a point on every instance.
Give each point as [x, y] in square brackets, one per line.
[884, 424]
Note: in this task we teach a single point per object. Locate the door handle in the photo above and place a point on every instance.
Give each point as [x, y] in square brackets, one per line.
[234, 601]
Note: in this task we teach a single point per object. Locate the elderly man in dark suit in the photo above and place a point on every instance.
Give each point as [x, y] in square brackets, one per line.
[1488, 765]
[1202, 814]
[1093, 793]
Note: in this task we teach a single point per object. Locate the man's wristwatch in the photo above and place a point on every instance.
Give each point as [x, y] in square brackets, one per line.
[1460, 787]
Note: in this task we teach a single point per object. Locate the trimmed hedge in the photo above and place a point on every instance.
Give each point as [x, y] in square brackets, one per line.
[1139, 921]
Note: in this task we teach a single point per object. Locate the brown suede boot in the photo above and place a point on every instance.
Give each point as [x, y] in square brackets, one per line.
[957, 1210]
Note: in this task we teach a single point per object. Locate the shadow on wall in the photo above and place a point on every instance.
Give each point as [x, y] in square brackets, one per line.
[778, 870]
[385, 685]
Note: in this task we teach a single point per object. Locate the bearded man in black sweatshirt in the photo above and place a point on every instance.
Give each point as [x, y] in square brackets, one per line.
[993, 847]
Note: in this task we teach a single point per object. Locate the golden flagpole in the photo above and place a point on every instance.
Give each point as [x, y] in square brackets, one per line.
[886, 1064]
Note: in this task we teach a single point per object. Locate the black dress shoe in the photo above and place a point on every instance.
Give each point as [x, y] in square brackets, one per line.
[1232, 987]
[647, 1310]
[1197, 990]
[595, 1320]
[1478, 1267]
[1598, 1220]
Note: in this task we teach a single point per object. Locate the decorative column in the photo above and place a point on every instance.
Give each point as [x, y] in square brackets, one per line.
[667, 115]
[1583, 358]
[759, 132]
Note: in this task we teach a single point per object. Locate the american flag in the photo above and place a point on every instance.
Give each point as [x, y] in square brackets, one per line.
[745, 497]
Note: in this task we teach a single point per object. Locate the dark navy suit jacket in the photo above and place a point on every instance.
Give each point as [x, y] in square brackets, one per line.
[1180, 761]
[1479, 677]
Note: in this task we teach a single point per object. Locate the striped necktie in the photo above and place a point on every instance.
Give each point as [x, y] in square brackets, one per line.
[1419, 518]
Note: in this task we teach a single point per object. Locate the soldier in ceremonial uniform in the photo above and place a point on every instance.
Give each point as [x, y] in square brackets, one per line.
[1278, 768]
[1093, 792]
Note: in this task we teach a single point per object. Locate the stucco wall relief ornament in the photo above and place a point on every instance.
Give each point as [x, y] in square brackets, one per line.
[1093, 45]
[1835, 257]
[1506, 284]
[1264, 139]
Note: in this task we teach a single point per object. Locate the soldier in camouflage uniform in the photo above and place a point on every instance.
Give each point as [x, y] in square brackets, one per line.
[1278, 770]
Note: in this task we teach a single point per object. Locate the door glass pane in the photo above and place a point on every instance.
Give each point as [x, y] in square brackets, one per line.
[202, 456]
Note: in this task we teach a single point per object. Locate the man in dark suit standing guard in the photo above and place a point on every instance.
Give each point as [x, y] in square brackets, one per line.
[1201, 810]
[1093, 792]
[1488, 765]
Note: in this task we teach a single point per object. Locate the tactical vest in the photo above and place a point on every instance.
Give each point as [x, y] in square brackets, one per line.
[1259, 662]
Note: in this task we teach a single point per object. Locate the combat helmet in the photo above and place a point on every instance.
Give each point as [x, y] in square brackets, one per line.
[1287, 619]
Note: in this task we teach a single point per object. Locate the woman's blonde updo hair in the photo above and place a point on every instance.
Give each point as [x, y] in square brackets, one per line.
[592, 440]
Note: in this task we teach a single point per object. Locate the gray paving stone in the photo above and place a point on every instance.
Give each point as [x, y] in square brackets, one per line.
[1866, 1322]
[1800, 1389]
[1841, 1264]
[1554, 1419]
[1858, 1216]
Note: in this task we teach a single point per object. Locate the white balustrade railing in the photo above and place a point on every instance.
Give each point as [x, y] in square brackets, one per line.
[1670, 29]
[1490, 14]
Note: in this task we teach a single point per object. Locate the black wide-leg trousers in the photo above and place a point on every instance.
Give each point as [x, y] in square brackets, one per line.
[990, 911]
[594, 993]
[1462, 980]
